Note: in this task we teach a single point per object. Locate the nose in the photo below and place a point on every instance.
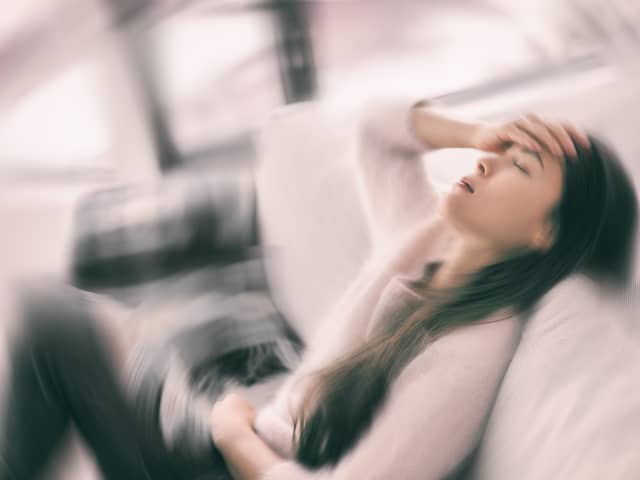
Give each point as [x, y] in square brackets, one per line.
[483, 167]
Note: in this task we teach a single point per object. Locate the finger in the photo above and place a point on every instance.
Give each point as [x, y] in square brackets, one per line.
[515, 135]
[537, 128]
[563, 138]
[533, 126]
[577, 134]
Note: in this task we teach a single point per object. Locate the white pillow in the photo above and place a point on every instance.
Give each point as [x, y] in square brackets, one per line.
[311, 216]
[569, 406]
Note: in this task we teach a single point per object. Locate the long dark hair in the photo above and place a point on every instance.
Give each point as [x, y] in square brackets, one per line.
[594, 226]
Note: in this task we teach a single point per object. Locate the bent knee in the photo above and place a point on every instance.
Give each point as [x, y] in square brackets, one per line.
[50, 312]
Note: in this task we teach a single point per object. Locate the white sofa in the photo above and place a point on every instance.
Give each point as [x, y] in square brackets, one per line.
[569, 406]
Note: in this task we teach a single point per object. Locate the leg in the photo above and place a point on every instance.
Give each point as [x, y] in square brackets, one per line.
[61, 371]
[30, 414]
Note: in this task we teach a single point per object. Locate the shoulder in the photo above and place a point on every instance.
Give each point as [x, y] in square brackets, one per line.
[497, 334]
[483, 350]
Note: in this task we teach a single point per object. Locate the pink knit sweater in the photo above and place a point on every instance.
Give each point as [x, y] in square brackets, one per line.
[436, 409]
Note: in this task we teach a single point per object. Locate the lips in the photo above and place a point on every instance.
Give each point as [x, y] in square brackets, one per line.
[465, 183]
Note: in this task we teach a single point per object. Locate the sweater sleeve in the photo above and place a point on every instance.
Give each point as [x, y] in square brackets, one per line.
[343, 328]
[435, 413]
[393, 182]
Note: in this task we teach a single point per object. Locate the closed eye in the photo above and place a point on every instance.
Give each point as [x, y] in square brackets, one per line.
[519, 167]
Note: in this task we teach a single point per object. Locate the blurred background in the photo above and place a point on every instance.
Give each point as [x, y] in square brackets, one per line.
[117, 116]
[105, 92]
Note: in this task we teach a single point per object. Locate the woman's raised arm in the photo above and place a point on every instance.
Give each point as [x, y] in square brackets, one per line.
[393, 136]
[437, 130]
[393, 185]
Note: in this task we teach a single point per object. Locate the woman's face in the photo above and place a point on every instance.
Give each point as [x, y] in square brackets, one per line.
[508, 209]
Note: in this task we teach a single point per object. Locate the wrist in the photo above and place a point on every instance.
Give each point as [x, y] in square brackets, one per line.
[433, 127]
[474, 135]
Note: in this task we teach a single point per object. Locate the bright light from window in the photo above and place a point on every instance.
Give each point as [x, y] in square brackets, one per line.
[61, 124]
[193, 51]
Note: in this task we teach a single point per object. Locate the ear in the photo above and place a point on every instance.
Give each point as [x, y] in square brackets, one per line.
[544, 238]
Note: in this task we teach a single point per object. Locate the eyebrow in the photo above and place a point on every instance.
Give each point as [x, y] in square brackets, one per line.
[534, 154]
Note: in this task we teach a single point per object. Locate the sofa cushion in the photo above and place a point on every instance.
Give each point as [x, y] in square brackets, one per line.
[569, 405]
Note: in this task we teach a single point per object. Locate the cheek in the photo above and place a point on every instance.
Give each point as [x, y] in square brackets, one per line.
[505, 216]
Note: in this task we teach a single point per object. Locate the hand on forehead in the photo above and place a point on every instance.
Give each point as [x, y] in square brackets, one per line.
[554, 138]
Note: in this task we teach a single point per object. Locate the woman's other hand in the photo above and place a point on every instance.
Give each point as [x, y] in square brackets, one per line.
[231, 419]
[531, 132]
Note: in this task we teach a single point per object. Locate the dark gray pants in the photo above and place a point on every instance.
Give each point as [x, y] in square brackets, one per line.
[61, 373]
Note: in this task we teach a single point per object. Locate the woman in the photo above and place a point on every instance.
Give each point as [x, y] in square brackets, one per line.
[402, 378]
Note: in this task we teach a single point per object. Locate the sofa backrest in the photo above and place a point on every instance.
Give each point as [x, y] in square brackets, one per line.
[569, 406]
[311, 218]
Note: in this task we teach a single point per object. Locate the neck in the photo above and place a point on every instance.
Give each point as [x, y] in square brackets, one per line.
[462, 260]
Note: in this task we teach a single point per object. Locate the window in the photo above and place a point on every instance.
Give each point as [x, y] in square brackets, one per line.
[59, 125]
